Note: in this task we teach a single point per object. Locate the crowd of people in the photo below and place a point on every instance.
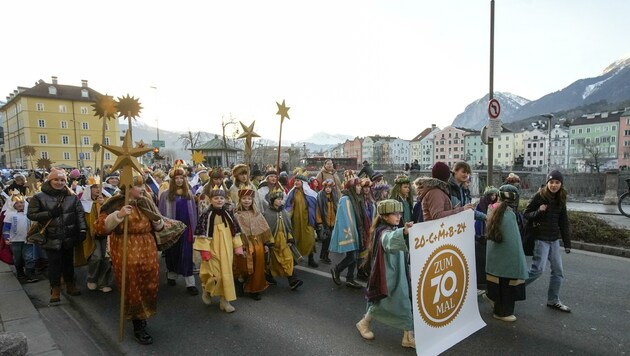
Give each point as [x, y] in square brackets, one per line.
[250, 227]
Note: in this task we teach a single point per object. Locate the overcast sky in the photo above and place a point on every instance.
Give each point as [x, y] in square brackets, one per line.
[351, 67]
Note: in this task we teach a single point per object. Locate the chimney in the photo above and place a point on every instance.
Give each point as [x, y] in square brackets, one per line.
[433, 126]
[84, 83]
[54, 79]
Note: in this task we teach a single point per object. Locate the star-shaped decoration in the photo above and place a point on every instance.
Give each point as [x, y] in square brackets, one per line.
[129, 107]
[248, 131]
[197, 157]
[141, 144]
[127, 159]
[105, 107]
[348, 233]
[44, 163]
[283, 111]
[28, 151]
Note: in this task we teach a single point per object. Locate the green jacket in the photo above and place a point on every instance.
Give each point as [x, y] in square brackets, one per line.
[507, 259]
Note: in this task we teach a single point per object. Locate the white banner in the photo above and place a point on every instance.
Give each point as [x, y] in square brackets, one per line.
[444, 282]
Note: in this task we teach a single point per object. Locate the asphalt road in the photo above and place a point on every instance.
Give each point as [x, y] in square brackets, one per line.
[319, 319]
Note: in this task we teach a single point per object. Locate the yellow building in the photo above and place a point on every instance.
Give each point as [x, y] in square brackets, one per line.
[59, 122]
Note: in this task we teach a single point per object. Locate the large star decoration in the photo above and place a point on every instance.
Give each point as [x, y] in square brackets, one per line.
[197, 157]
[283, 111]
[129, 107]
[105, 107]
[141, 144]
[248, 131]
[127, 159]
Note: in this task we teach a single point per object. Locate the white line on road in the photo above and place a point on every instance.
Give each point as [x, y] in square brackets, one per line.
[323, 274]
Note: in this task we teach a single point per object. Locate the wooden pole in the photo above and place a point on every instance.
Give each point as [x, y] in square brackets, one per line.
[279, 145]
[123, 283]
[100, 187]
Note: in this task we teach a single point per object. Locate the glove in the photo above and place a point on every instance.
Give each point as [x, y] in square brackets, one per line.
[269, 245]
[318, 227]
[239, 251]
[205, 255]
[291, 241]
[55, 212]
[567, 250]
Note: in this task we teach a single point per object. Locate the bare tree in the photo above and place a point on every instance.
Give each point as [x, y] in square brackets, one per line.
[592, 155]
[190, 139]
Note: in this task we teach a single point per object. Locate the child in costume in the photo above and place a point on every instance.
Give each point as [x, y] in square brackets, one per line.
[300, 204]
[402, 193]
[389, 302]
[281, 258]
[505, 260]
[257, 240]
[218, 238]
[327, 200]
[14, 232]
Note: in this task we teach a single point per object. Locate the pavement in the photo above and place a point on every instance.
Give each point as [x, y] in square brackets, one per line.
[319, 318]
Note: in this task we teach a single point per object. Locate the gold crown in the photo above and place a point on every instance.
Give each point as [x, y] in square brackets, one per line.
[16, 196]
[217, 191]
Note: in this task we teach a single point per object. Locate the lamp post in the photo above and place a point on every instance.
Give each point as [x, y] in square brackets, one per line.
[223, 125]
[548, 117]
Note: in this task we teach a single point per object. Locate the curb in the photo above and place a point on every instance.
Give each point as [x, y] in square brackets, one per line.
[603, 249]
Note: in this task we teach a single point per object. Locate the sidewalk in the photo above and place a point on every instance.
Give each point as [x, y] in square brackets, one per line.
[17, 314]
[595, 208]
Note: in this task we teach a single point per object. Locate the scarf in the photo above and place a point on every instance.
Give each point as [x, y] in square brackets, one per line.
[226, 217]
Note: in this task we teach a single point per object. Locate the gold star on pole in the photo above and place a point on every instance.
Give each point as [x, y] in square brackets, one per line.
[105, 107]
[129, 107]
[248, 134]
[141, 144]
[197, 157]
[127, 159]
[283, 111]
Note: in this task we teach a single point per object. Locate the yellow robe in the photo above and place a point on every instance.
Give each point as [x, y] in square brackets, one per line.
[216, 275]
[281, 261]
[83, 252]
[304, 233]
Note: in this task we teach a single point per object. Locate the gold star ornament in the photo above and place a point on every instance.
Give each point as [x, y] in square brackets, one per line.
[105, 107]
[197, 157]
[248, 131]
[283, 111]
[129, 107]
[127, 159]
[28, 151]
[141, 144]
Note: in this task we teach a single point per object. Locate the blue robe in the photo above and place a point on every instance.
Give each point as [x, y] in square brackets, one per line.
[179, 256]
[345, 237]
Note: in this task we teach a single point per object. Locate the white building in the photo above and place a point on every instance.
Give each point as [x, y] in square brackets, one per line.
[559, 146]
[534, 144]
[504, 149]
[426, 150]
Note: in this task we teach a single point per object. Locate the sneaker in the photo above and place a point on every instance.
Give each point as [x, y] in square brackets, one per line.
[192, 290]
[31, 279]
[295, 284]
[353, 284]
[335, 276]
[91, 286]
[105, 289]
[510, 318]
[559, 306]
[206, 298]
[480, 292]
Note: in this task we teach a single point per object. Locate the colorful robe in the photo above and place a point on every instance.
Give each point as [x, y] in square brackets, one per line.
[345, 236]
[255, 234]
[179, 257]
[281, 261]
[301, 207]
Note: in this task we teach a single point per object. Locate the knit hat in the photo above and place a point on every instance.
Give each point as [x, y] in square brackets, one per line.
[376, 176]
[441, 171]
[302, 178]
[256, 173]
[490, 190]
[349, 179]
[56, 173]
[111, 176]
[512, 178]
[389, 206]
[328, 183]
[75, 174]
[555, 175]
[508, 193]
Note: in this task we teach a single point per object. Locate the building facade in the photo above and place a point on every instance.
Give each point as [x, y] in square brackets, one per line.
[354, 148]
[58, 122]
[448, 145]
[475, 150]
[559, 148]
[624, 140]
[593, 142]
[426, 150]
[535, 157]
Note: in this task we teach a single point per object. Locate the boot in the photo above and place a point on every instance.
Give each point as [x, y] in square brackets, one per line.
[30, 276]
[226, 306]
[140, 332]
[55, 293]
[311, 261]
[323, 258]
[364, 327]
[408, 339]
[72, 290]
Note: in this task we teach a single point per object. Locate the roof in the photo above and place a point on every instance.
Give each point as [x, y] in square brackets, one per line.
[422, 134]
[598, 118]
[216, 144]
[64, 92]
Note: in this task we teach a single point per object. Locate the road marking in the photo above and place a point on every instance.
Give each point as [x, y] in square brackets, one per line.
[324, 274]
[601, 255]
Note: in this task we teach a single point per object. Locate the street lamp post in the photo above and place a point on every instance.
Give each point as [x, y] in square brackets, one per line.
[223, 125]
[548, 117]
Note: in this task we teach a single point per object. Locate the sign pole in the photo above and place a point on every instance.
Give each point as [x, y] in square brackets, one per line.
[491, 93]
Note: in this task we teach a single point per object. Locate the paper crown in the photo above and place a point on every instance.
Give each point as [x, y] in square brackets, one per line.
[158, 173]
[91, 180]
[240, 169]
[349, 179]
[271, 172]
[217, 191]
[328, 183]
[275, 194]
[389, 206]
[216, 173]
[301, 177]
[179, 169]
[366, 182]
[113, 175]
[245, 191]
[402, 179]
[17, 196]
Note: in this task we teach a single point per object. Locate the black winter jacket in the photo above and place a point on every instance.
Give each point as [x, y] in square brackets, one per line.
[72, 219]
[548, 225]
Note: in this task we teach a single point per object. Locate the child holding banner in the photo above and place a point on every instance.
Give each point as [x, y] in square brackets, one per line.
[506, 269]
[388, 291]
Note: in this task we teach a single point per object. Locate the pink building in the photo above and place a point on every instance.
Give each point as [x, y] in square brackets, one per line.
[624, 140]
[448, 145]
[354, 148]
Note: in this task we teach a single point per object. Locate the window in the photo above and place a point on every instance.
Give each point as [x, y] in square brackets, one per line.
[87, 155]
[66, 156]
[65, 140]
[580, 130]
[39, 106]
[507, 146]
[107, 140]
[613, 139]
[44, 154]
[86, 140]
[572, 141]
[499, 155]
[62, 108]
[626, 132]
[588, 130]
[52, 90]
[614, 128]
[449, 142]
[84, 93]
[529, 145]
[529, 162]
[499, 146]
[84, 110]
[534, 154]
[540, 162]
[612, 149]
[41, 123]
[43, 139]
[542, 144]
[85, 125]
[572, 131]
[541, 153]
[108, 156]
[64, 124]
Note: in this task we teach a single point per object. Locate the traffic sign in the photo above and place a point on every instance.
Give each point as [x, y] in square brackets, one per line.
[81, 155]
[158, 143]
[494, 128]
[494, 109]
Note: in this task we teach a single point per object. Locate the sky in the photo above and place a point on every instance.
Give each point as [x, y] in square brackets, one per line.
[344, 67]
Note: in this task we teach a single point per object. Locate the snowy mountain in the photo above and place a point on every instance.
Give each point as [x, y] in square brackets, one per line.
[323, 138]
[475, 115]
